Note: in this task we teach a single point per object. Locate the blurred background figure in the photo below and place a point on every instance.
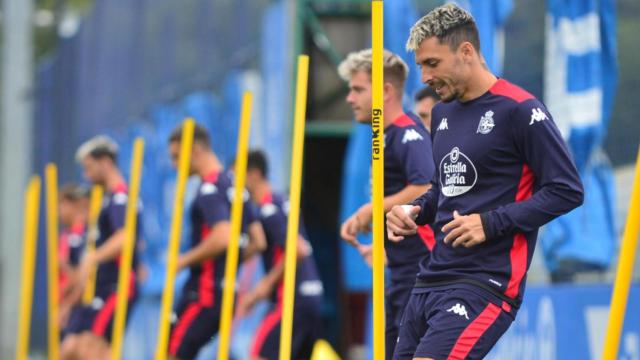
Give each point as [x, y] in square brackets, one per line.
[424, 100]
[73, 210]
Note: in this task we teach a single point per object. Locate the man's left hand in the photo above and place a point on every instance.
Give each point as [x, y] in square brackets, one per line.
[464, 230]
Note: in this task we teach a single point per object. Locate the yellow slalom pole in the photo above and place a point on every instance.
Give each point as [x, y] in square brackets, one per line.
[124, 275]
[51, 182]
[231, 264]
[294, 212]
[95, 205]
[186, 143]
[377, 157]
[30, 237]
[625, 271]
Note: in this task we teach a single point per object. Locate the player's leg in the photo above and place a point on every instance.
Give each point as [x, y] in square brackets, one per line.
[80, 320]
[266, 343]
[194, 327]
[396, 298]
[307, 325]
[412, 326]
[462, 325]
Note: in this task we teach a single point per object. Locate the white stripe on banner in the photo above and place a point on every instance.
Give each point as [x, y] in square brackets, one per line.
[571, 38]
[580, 35]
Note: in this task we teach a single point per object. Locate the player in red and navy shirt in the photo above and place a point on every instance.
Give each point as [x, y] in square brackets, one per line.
[198, 309]
[94, 321]
[502, 171]
[408, 170]
[274, 211]
[73, 207]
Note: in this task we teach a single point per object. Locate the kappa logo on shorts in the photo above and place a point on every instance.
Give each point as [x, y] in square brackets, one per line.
[459, 310]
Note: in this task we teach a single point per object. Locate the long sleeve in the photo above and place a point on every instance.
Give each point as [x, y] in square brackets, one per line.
[550, 185]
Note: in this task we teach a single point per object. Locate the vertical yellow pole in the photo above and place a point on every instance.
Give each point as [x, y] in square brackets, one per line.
[51, 182]
[625, 271]
[30, 237]
[174, 238]
[377, 155]
[124, 274]
[294, 213]
[231, 264]
[95, 205]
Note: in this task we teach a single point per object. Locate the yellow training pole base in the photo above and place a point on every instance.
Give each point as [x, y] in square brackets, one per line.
[186, 142]
[377, 154]
[624, 274]
[231, 265]
[294, 209]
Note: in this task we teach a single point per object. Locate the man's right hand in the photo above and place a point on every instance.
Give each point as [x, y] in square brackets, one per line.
[350, 228]
[401, 221]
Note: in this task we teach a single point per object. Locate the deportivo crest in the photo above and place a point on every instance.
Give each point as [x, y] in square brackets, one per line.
[457, 173]
[486, 123]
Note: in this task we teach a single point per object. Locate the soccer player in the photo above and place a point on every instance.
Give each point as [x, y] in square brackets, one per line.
[89, 329]
[274, 211]
[198, 308]
[408, 169]
[503, 171]
[425, 99]
[73, 209]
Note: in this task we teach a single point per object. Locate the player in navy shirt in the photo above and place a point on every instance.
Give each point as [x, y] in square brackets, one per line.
[94, 321]
[198, 309]
[73, 208]
[408, 169]
[274, 210]
[503, 171]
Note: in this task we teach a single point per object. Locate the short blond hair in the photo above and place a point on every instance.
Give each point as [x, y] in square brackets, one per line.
[449, 23]
[395, 69]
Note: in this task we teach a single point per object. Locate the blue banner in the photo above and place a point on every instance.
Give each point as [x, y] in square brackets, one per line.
[580, 80]
[568, 322]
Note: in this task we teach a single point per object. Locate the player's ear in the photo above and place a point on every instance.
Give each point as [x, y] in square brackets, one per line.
[388, 90]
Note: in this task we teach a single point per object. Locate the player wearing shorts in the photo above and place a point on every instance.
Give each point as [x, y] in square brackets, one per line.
[502, 171]
[90, 326]
[408, 169]
[274, 211]
[197, 314]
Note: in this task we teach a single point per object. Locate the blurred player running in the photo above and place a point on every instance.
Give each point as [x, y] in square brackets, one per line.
[198, 308]
[274, 211]
[89, 329]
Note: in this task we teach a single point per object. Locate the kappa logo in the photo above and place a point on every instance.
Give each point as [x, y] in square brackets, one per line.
[411, 135]
[537, 115]
[268, 210]
[443, 125]
[486, 123]
[208, 189]
[459, 310]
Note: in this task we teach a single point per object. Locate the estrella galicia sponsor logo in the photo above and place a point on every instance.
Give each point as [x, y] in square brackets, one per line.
[486, 123]
[457, 173]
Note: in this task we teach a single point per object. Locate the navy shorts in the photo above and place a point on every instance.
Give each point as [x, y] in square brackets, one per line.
[396, 298]
[193, 327]
[306, 325]
[451, 324]
[96, 317]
